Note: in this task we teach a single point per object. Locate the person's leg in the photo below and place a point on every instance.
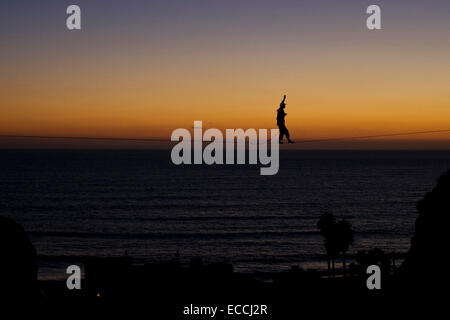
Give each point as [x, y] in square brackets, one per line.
[288, 136]
[282, 132]
[286, 133]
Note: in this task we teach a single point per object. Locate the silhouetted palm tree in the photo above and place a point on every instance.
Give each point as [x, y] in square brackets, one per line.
[344, 238]
[338, 238]
[326, 226]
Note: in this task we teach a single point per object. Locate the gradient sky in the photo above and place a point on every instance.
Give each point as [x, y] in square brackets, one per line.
[145, 68]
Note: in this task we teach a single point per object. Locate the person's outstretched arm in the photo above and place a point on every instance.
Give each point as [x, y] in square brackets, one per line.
[284, 99]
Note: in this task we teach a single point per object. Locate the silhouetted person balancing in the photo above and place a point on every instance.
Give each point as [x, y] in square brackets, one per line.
[280, 122]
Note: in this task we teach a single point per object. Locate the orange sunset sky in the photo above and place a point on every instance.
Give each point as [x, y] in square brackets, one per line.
[142, 69]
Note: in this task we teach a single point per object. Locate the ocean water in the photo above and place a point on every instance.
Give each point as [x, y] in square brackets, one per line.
[106, 203]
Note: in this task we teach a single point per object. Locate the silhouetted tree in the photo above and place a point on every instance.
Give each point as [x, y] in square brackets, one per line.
[338, 237]
[344, 238]
[427, 259]
[18, 265]
[326, 226]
